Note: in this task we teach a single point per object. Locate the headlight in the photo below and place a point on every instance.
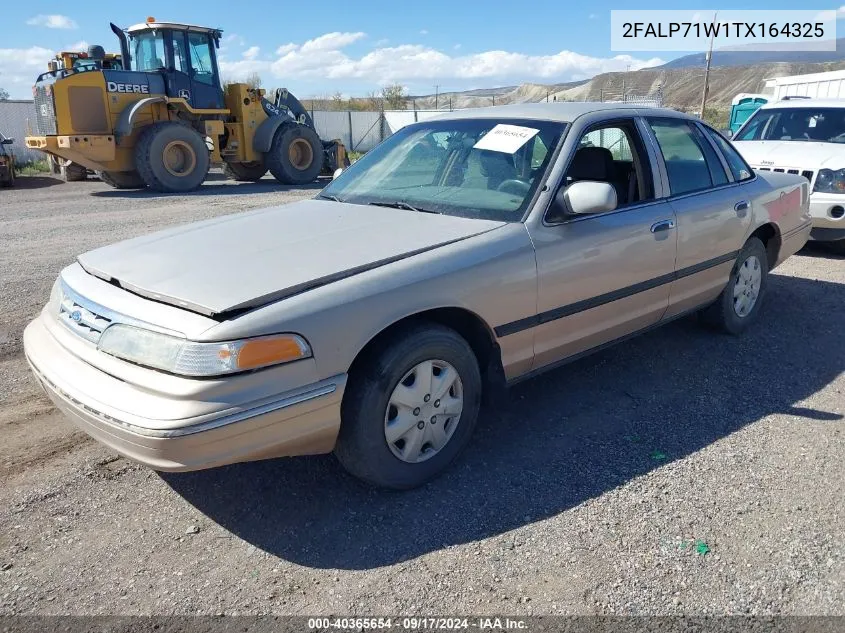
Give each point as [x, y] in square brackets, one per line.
[56, 296]
[830, 181]
[189, 358]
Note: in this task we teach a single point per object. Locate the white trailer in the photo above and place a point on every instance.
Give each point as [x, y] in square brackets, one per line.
[829, 85]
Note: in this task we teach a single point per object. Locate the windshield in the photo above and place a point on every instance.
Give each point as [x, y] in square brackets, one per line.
[825, 125]
[472, 168]
[147, 50]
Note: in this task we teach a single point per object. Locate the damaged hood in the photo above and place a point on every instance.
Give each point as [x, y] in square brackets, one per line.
[246, 260]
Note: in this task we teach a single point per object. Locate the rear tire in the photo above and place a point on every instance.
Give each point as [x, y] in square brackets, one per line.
[171, 157]
[74, 172]
[363, 446]
[245, 172]
[296, 155]
[739, 304]
[122, 179]
[67, 170]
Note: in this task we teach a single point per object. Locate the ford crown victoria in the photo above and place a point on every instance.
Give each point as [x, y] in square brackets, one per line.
[462, 254]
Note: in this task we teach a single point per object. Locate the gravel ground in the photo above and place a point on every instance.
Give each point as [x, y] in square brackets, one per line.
[682, 472]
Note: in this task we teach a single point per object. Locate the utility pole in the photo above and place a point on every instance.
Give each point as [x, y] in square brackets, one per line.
[707, 68]
[627, 68]
[494, 99]
[436, 94]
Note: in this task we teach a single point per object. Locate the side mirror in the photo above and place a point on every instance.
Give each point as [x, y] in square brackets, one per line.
[7, 141]
[583, 198]
[337, 172]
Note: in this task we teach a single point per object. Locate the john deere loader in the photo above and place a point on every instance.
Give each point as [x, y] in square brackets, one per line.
[163, 118]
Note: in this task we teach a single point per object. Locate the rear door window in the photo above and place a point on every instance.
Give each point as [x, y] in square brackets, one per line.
[690, 165]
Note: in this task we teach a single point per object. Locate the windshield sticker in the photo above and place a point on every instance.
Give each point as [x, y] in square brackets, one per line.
[505, 138]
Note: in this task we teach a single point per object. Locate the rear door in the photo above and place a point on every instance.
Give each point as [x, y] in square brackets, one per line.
[604, 276]
[713, 211]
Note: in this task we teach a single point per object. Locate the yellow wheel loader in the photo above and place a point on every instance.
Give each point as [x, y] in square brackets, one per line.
[163, 118]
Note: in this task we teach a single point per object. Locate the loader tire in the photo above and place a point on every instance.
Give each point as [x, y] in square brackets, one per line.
[245, 172]
[74, 172]
[296, 155]
[67, 170]
[122, 179]
[171, 157]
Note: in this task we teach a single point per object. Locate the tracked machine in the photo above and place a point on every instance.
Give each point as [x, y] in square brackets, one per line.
[163, 117]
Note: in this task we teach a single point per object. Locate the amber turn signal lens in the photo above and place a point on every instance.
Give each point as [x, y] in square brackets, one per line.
[269, 351]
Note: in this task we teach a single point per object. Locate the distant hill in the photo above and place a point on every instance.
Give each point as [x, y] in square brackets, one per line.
[681, 86]
[748, 58]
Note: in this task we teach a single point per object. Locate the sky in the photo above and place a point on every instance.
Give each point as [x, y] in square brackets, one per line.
[356, 46]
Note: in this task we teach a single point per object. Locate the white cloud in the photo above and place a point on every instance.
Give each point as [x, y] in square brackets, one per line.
[424, 32]
[331, 41]
[593, 16]
[382, 42]
[457, 47]
[52, 21]
[284, 49]
[323, 59]
[81, 45]
[19, 68]
[251, 53]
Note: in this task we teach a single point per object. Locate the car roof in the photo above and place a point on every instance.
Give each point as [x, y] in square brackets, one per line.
[804, 103]
[562, 111]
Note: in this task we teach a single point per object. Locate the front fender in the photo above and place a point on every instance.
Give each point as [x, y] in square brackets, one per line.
[263, 138]
[127, 117]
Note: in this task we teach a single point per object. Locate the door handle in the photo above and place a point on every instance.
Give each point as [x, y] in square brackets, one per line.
[741, 207]
[663, 225]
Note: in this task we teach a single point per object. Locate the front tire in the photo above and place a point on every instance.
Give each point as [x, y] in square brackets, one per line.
[171, 157]
[296, 155]
[410, 408]
[739, 304]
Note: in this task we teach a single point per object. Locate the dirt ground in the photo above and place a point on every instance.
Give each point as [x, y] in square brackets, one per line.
[680, 472]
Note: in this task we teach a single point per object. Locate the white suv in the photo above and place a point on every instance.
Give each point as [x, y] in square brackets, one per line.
[807, 137]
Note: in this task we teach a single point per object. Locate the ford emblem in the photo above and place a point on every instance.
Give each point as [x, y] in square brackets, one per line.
[76, 315]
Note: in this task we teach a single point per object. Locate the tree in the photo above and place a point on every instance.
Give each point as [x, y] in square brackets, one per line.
[375, 101]
[394, 97]
[4, 95]
[253, 80]
[338, 102]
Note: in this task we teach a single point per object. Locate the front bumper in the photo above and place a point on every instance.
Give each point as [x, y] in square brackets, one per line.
[302, 421]
[825, 209]
[93, 151]
[5, 173]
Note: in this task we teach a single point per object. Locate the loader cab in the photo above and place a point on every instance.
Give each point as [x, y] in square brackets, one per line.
[186, 57]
